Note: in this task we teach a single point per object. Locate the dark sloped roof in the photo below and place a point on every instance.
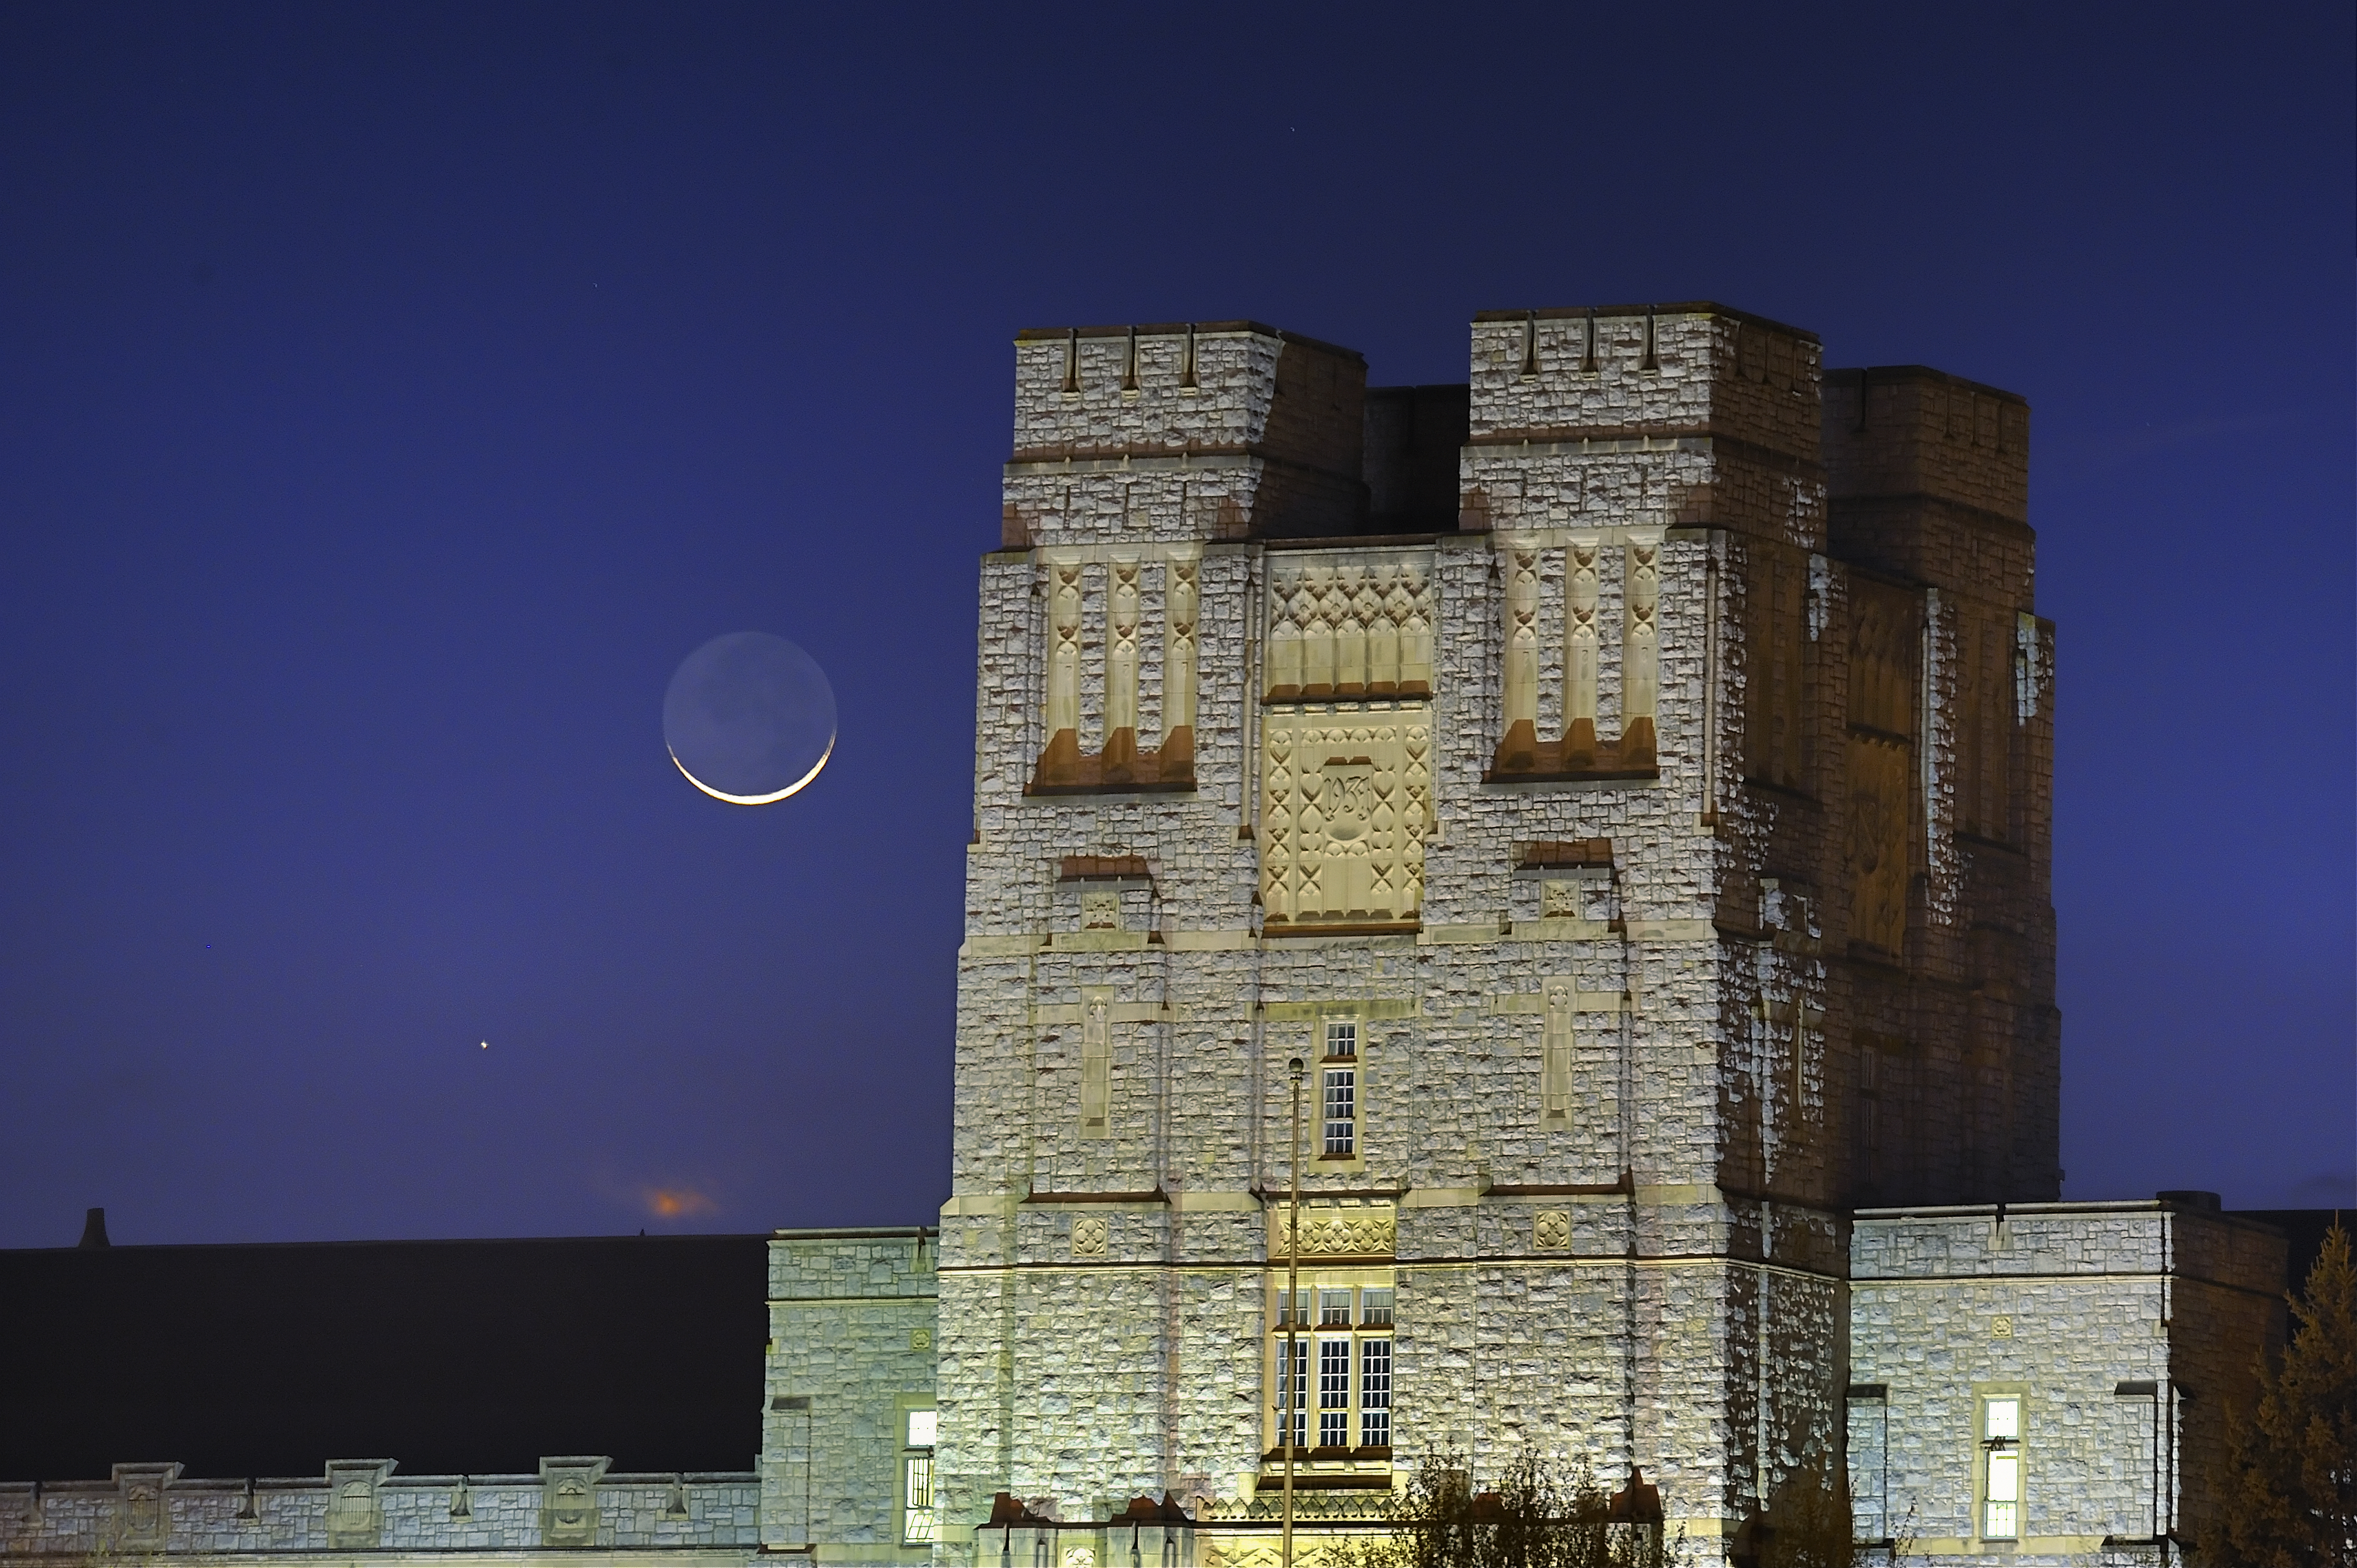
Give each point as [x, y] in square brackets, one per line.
[450, 1357]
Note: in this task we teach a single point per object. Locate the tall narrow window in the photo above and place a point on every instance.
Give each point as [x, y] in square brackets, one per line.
[1349, 1353]
[1774, 649]
[2001, 1448]
[1293, 1391]
[1334, 1391]
[1341, 1039]
[1869, 1112]
[1341, 1113]
[1375, 1389]
[918, 1522]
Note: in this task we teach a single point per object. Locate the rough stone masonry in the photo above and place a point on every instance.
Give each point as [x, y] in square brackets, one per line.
[1590, 827]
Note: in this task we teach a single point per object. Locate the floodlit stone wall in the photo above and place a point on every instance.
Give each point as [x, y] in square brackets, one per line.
[361, 1507]
[1654, 943]
[851, 1355]
[2122, 1330]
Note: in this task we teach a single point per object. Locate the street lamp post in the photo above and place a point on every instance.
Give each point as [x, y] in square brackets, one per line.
[1290, 1378]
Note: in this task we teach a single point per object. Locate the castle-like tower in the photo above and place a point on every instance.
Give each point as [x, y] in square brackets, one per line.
[1624, 781]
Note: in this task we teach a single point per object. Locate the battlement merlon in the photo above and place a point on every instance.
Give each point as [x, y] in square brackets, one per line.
[1630, 371]
[1208, 430]
[1655, 416]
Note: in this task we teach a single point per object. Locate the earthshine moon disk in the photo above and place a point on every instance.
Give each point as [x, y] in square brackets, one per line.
[749, 718]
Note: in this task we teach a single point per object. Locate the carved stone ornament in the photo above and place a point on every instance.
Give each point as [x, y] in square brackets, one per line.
[1090, 1232]
[146, 1516]
[355, 1519]
[1346, 805]
[1551, 1231]
[1335, 1232]
[568, 1500]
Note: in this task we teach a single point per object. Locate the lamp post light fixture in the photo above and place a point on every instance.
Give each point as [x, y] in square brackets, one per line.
[1290, 1378]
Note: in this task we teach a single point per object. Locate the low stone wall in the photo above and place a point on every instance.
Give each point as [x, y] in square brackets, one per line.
[365, 1507]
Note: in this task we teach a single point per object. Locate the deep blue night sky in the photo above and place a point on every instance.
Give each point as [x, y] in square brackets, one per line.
[391, 396]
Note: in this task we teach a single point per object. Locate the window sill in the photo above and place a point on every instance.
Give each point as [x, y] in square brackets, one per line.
[1340, 1454]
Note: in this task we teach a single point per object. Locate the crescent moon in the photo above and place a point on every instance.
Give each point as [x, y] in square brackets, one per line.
[753, 799]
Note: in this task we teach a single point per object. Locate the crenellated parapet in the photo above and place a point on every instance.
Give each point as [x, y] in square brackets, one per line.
[1213, 430]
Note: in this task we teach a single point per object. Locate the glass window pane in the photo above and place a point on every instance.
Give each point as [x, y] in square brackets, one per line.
[1375, 1308]
[1334, 1308]
[1291, 1393]
[1333, 1374]
[2002, 1521]
[2005, 1478]
[2002, 1418]
[923, 1425]
[1342, 1098]
[1375, 1392]
[917, 1516]
[1342, 1039]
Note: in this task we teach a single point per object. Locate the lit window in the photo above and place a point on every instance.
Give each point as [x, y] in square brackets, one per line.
[1293, 1393]
[1342, 1039]
[1333, 1393]
[917, 1517]
[1375, 1389]
[1341, 1110]
[2001, 1495]
[1351, 1363]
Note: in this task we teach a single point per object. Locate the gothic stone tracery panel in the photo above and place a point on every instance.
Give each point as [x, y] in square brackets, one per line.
[1346, 804]
[1349, 623]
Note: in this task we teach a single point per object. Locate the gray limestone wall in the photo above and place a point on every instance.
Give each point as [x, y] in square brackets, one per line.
[852, 1352]
[1086, 1362]
[148, 1510]
[2092, 1315]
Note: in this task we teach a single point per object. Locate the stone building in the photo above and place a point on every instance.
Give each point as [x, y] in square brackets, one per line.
[1590, 827]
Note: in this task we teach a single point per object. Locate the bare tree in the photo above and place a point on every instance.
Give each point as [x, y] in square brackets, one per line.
[1537, 1516]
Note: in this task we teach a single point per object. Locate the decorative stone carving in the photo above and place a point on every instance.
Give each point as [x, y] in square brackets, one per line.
[1096, 1061]
[1577, 753]
[1370, 1233]
[568, 1500]
[1640, 656]
[1090, 1232]
[1579, 655]
[1346, 804]
[1120, 763]
[1555, 1068]
[147, 1515]
[1100, 910]
[1181, 600]
[1551, 1230]
[354, 1517]
[1349, 624]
